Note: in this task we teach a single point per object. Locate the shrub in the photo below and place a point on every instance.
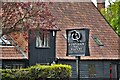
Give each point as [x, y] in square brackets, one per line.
[38, 72]
[15, 74]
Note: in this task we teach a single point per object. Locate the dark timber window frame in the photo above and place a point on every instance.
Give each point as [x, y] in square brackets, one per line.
[43, 40]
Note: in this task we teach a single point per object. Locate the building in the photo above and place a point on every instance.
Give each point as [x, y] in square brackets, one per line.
[104, 45]
[13, 51]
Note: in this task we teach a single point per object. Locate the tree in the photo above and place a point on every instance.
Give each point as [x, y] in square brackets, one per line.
[112, 14]
[23, 16]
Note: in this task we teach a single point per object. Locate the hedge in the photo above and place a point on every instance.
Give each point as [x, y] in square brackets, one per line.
[38, 72]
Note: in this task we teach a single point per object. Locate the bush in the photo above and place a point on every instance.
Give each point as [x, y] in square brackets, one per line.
[38, 72]
[15, 74]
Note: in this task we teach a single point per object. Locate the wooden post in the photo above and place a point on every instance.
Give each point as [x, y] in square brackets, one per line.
[78, 67]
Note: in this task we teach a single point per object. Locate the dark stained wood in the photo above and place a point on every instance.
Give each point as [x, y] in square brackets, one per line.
[42, 55]
[102, 68]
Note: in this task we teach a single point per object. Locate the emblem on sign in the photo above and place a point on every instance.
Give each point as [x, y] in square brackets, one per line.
[76, 36]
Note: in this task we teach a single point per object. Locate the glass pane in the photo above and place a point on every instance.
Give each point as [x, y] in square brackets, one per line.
[4, 41]
[42, 40]
[38, 41]
[8, 66]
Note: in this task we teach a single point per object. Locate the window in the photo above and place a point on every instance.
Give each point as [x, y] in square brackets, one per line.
[98, 41]
[13, 66]
[4, 41]
[42, 40]
[8, 66]
[92, 70]
[17, 66]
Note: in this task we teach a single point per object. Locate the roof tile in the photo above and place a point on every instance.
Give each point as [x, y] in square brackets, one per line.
[75, 16]
[85, 15]
[10, 53]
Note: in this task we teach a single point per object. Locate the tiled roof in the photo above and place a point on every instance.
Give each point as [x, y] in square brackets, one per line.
[76, 16]
[21, 39]
[85, 15]
[12, 52]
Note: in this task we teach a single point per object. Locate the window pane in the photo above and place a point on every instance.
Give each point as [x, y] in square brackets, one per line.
[42, 40]
[4, 41]
[38, 41]
[8, 66]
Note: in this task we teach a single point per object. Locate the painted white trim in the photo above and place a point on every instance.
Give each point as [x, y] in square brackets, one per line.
[53, 33]
[7, 46]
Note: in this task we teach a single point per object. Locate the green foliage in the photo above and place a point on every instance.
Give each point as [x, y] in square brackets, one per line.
[15, 74]
[57, 71]
[112, 15]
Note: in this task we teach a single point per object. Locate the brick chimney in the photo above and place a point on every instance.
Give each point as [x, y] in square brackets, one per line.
[100, 4]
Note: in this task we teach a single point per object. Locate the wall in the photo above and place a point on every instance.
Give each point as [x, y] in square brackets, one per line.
[102, 68]
[41, 55]
[14, 64]
[118, 71]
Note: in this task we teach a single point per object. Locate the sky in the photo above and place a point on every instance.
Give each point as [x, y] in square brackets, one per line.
[106, 2]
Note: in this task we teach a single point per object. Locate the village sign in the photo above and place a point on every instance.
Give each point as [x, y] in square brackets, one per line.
[77, 42]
